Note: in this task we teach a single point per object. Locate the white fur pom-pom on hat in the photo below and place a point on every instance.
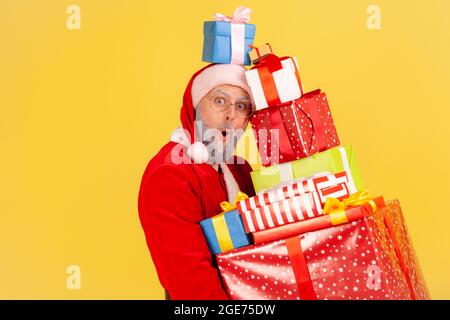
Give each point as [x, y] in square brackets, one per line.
[217, 75]
[198, 152]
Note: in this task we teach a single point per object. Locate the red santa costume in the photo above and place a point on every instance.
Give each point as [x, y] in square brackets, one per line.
[174, 197]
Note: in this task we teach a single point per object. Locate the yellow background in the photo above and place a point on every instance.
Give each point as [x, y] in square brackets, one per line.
[82, 112]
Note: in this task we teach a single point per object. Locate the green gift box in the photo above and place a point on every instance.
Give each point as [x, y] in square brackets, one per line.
[333, 160]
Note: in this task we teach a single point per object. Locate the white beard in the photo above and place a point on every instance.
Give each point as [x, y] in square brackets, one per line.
[218, 150]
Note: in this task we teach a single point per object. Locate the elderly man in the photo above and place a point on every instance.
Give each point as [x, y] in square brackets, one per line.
[189, 177]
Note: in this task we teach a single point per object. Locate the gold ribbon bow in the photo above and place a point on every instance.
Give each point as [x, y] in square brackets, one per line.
[226, 206]
[336, 208]
[220, 225]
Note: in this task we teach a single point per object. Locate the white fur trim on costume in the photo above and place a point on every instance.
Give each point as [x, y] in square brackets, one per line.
[230, 182]
[179, 136]
[198, 152]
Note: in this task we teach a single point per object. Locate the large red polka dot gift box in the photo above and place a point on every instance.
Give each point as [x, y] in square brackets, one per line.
[369, 256]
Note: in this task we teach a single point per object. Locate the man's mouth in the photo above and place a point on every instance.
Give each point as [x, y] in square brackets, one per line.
[224, 136]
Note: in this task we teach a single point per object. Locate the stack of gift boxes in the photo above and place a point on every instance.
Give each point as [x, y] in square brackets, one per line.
[312, 231]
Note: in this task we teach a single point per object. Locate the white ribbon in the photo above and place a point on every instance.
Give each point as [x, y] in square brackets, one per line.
[240, 15]
[285, 171]
[345, 163]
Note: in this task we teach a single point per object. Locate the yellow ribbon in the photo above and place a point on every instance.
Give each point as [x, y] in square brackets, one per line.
[226, 206]
[220, 225]
[336, 208]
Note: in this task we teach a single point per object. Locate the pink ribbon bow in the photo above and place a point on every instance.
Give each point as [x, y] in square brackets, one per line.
[240, 15]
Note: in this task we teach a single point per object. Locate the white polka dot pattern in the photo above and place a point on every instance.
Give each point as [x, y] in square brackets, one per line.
[356, 261]
[306, 128]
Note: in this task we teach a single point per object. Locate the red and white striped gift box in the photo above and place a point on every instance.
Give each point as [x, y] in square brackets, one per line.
[286, 211]
[326, 185]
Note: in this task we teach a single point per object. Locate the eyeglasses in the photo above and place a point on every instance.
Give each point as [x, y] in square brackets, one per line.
[221, 103]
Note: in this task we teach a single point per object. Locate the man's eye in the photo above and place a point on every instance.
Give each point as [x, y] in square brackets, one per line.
[243, 106]
[219, 101]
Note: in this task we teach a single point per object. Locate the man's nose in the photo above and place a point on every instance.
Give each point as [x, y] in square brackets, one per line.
[231, 113]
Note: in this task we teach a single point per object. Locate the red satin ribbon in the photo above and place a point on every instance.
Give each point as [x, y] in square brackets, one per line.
[284, 143]
[266, 67]
[300, 268]
[271, 62]
[401, 261]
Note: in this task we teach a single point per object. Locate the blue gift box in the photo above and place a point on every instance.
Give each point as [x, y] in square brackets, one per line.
[231, 236]
[217, 41]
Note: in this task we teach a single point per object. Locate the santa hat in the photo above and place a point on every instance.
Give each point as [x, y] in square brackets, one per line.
[201, 83]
